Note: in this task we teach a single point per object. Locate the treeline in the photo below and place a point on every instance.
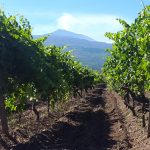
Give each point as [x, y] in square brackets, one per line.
[31, 72]
[127, 69]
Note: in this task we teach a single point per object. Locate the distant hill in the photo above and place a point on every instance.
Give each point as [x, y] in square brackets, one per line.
[88, 51]
[64, 33]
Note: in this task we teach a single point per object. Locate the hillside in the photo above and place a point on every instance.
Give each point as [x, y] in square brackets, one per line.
[86, 49]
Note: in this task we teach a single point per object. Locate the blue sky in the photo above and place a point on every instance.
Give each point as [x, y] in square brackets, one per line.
[89, 17]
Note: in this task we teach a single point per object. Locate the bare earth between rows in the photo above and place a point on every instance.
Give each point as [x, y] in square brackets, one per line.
[98, 121]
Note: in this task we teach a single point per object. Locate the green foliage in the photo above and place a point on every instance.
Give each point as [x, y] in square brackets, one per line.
[129, 62]
[31, 71]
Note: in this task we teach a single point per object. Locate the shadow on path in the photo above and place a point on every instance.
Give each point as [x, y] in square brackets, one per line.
[87, 128]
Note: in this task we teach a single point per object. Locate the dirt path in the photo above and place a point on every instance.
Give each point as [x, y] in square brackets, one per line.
[94, 123]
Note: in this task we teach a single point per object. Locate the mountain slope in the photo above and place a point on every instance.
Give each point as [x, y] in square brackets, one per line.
[65, 33]
[86, 49]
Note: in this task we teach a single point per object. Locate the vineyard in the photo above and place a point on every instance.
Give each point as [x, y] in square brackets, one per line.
[127, 70]
[32, 72]
[49, 100]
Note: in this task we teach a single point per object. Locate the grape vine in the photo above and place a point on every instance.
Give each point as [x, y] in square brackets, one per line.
[127, 69]
[32, 72]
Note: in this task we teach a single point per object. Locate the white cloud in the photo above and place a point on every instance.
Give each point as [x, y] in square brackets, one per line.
[67, 21]
[93, 25]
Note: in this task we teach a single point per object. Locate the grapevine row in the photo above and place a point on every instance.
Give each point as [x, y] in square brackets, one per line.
[127, 69]
[32, 72]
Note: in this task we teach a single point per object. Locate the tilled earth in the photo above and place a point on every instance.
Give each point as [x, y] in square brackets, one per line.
[95, 122]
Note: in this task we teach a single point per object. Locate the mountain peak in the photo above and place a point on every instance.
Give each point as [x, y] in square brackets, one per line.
[65, 33]
[86, 50]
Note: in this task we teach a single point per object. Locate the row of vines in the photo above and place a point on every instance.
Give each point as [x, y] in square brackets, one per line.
[31, 72]
[127, 69]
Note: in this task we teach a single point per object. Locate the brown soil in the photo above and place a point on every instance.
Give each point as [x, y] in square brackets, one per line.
[98, 121]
